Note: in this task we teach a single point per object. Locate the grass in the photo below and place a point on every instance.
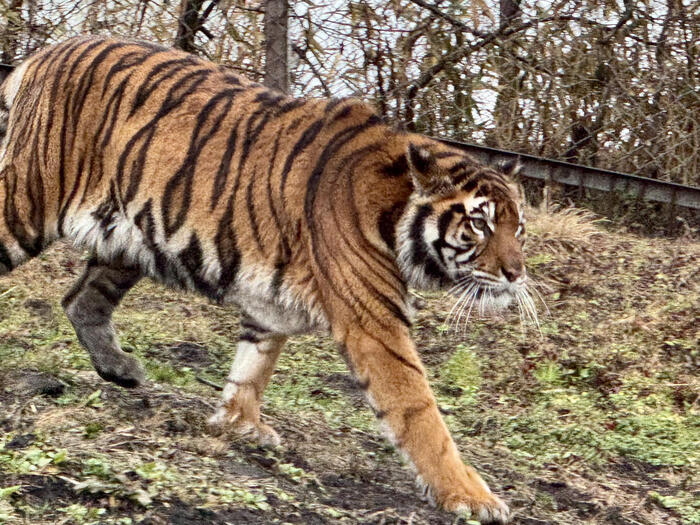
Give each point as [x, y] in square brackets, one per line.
[592, 419]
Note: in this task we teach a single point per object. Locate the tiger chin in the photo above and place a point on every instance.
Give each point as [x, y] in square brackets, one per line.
[310, 215]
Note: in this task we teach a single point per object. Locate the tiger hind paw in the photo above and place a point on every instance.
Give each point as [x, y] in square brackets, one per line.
[120, 368]
[223, 423]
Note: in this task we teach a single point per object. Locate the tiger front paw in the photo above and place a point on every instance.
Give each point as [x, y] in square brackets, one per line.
[485, 508]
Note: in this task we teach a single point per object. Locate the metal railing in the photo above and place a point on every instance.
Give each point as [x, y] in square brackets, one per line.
[549, 170]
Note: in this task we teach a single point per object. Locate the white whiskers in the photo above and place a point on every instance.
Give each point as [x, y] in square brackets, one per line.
[486, 299]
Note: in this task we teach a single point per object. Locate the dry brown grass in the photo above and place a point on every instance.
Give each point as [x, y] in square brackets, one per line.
[560, 229]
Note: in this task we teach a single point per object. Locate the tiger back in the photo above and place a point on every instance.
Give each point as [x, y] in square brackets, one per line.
[310, 215]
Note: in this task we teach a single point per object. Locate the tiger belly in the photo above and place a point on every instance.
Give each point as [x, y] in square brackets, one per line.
[258, 289]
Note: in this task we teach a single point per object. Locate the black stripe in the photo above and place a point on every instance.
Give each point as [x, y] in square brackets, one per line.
[284, 248]
[268, 98]
[127, 61]
[249, 337]
[56, 83]
[460, 166]
[67, 104]
[368, 250]
[251, 326]
[252, 217]
[306, 138]
[291, 105]
[251, 136]
[447, 154]
[420, 256]
[387, 224]
[87, 77]
[97, 160]
[106, 291]
[178, 190]
[31, 245]
[35, 189]
[149, 85]
[192, 258]
[224, 166]
[229, 256]
[144, 221]
[334, 144]
[411, 412]
[338, 141]
[172, 100]
[333, 103]
[472, 182]
[63, 209]
[401, 359]
[446, 217]
[230, 78]
[5, 258]
[398, 168]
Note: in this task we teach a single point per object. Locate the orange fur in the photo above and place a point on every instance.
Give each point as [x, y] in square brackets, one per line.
[309, 214]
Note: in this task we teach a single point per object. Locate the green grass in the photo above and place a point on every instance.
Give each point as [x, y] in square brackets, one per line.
[593, 416]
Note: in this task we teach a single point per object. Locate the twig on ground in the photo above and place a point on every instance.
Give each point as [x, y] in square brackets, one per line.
[204, 381]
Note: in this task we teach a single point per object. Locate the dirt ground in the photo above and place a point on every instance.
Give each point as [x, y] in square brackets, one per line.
[593, 418]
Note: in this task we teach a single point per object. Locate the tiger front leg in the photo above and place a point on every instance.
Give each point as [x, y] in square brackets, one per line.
[389, 370]
[239, 408]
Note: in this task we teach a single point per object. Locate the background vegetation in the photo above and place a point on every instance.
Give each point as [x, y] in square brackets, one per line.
[594, 419]
[606, 83]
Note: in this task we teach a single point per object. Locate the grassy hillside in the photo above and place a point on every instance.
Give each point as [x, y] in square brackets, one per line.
[593, 419]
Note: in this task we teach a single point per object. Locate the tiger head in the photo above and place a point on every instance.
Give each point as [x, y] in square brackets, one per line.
[463, 229]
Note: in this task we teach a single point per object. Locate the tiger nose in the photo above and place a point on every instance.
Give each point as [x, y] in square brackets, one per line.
[513, 273]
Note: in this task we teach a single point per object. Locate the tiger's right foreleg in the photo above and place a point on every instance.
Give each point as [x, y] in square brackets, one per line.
[89, 306]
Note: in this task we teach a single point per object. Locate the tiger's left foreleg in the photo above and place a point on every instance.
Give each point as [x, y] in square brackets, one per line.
[387, 367]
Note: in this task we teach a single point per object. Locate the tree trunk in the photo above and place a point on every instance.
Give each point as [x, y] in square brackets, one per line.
[506, 110]
[188, 24]
[276, 60]
[12, 31]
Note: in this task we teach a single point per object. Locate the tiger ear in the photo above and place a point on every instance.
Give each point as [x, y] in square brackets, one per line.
[427, 177]
[511, 168]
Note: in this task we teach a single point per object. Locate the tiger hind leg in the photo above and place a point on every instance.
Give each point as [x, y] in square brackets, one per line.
[89, 306]
[239, 408]
[18, 241]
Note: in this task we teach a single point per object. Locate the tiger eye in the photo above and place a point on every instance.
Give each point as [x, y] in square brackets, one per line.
[479, 224]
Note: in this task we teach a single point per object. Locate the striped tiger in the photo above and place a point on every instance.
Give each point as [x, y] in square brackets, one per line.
[310, 215]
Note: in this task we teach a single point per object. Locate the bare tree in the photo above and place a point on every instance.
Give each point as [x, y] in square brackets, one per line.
[12, 30]
[191, 22]
[276, 44]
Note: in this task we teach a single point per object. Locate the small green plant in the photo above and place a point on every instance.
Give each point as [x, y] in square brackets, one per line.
[33, 459]
[81, 514]
[153, 471]
[94, 400]
[548, 373]
[242, 496]
[92, 429]
[685, 504]
[462, 372]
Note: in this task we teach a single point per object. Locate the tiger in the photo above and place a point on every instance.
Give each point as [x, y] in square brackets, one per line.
[311, 215]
